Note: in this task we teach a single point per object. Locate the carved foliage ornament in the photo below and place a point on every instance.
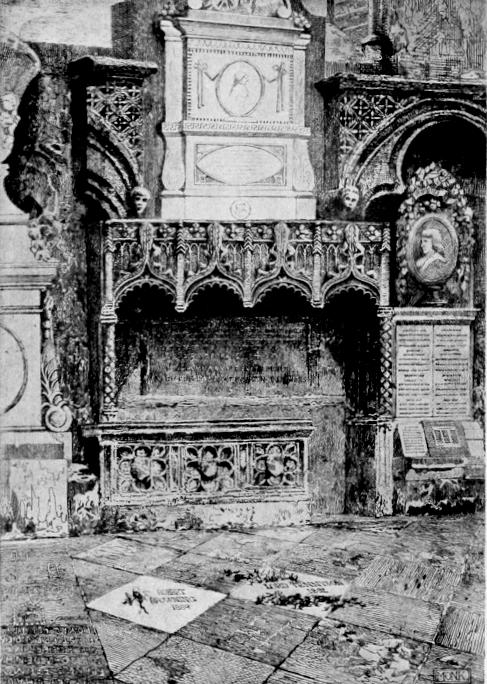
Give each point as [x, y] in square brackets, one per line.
[435, 239]
[206, 468]
[56, 413]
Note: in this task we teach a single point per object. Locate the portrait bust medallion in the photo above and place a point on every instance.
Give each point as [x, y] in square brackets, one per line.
[432, 249]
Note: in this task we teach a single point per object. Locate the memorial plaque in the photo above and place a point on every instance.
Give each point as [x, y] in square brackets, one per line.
[451, 377]
[413, 441]
[414, 370]
[433, 371]
[157, 603]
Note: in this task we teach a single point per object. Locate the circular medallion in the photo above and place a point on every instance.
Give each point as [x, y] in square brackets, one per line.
[13, 369]
[432, 249]
[240, 210]
[239, 88]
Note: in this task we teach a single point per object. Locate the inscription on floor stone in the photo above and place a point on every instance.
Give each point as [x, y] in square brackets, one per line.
[52, 653]
[157, 603]
[290, 592]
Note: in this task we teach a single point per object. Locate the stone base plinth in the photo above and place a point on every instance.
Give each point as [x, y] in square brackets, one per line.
[33, 499]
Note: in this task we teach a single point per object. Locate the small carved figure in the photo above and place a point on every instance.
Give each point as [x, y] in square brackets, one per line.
[344, 205]
[140, 197]
[140, 469]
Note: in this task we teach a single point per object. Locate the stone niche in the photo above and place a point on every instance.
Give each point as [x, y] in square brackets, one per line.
[236, 145]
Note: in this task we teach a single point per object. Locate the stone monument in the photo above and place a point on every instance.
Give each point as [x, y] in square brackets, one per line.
[236, 144]
[35, 447]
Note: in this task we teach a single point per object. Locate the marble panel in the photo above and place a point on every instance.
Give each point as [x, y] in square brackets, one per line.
[157, 603]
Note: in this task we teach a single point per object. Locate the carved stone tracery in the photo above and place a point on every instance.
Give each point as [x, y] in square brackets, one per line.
[155, 467]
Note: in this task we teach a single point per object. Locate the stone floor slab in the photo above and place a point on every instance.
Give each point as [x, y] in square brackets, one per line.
[187, 662]
[335, 654]
[418, 580]
[52, 653]
[392, 614]
[124, 642]
[236, 546]
[157, 603]
[95, 581]
[180, 540]
[291, 534]
[453, 665]
[462, 630]
[335, 564]
[203, 571]
[283, 677]
[129, 554]
[264, 633]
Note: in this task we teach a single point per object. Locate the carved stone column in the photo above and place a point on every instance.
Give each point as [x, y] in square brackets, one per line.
[35, 445]
[384, 434]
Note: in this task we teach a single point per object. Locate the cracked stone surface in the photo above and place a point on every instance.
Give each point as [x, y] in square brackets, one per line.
[353, 600]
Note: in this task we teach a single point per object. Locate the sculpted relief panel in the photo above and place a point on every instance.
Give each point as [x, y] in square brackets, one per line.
[240, 83]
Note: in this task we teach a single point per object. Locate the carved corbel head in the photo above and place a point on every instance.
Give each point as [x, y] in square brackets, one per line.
[140, 197]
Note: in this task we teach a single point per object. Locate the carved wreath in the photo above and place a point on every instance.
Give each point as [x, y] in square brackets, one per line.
[436, 191]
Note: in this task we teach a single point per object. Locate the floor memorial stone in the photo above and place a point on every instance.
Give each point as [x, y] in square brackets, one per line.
[264, 633]
[313, 595]
[52, 653]
[131, 555]
[186, 662]
[337, 654]
[156, 603]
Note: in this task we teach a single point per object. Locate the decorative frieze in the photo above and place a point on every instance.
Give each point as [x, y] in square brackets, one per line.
[312, 256]
[169, 464]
